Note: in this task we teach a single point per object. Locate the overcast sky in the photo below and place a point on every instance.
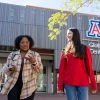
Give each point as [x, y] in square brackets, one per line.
[54, 4]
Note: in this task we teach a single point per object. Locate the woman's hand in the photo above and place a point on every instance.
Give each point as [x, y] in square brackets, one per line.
[61, 92]
[31, 59]
[13, 67]
[94, 91]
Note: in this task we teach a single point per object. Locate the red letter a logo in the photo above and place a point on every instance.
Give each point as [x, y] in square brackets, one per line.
[95, 29]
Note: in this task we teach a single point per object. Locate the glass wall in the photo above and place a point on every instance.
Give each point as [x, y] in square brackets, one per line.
[98, 76]
[42, 80]
[1, 75]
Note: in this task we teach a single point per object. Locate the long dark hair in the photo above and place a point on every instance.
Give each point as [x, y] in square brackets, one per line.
[79, 48]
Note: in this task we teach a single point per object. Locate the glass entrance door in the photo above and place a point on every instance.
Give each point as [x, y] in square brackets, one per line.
[42, 80]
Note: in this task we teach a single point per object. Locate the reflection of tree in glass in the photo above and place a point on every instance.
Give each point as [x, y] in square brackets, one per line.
[40, 79]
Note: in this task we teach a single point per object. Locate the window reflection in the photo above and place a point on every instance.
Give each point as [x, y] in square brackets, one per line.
[41, 80]
[98, 77]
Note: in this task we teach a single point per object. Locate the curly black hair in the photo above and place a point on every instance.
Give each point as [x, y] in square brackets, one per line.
[19, 38]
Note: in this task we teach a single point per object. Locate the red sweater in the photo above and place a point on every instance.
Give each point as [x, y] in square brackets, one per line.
[73, 71]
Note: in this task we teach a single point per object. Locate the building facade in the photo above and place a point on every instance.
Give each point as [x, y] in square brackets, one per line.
[17, 20]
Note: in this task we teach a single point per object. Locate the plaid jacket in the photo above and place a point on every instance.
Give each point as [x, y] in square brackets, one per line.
[29, 73]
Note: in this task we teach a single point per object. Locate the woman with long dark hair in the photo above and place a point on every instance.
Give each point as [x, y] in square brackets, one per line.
[76, 68]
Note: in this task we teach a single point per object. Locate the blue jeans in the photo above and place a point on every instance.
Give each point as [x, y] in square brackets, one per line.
[76, 92]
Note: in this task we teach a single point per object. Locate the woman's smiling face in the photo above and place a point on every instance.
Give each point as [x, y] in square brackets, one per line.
[24, 44]
[69, 35]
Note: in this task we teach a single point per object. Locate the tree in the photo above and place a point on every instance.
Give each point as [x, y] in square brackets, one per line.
[57, 20]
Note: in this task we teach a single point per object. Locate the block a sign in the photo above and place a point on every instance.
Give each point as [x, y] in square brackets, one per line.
[94, 32]
[94, 29]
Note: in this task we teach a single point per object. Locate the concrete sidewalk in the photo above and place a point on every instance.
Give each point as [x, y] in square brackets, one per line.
[49, 96]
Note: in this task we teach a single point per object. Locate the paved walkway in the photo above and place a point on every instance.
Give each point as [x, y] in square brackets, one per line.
[48, 96]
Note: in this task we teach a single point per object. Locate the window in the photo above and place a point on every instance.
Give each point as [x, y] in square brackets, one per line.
[22, 16]
[79, 16]
[21, 28]
[98, 77]
[11, 14]
[42, 80]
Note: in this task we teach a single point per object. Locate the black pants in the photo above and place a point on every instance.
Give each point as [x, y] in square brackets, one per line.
[15, 95]
[15, 92]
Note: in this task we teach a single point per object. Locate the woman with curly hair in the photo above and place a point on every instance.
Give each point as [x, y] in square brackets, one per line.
[21, 68]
